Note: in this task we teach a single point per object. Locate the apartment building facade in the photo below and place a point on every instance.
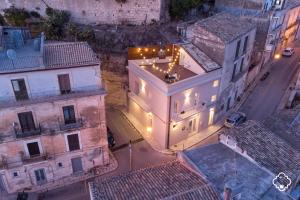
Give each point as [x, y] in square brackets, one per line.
[172, 97]
[52, 111]
[229, 41]
[277, 23]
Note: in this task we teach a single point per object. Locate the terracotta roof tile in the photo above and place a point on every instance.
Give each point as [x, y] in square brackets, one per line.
[168, 181]
[266, 148]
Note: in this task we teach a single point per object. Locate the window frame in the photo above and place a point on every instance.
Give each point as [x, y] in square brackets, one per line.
[72, 116]
[67, 141]
[32, 141]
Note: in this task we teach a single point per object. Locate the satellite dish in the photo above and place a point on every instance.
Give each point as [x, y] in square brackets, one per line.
[11, 54]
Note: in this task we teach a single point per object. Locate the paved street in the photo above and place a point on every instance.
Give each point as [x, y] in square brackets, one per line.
[142, 156]
[266, 96]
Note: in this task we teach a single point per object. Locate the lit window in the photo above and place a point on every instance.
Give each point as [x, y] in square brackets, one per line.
[213, 98]
[216, 83]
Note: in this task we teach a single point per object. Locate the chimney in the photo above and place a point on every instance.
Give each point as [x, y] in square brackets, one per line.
[227, 193]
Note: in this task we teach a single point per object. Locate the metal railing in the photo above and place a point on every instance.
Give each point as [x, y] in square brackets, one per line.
[70, 126]
[21, 134]
[31, 159]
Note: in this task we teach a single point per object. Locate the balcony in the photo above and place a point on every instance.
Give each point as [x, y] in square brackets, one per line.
[71, 126]
[22, 134]
[34, 159]
[50, 96]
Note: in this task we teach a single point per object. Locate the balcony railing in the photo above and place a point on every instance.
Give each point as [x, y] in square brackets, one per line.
[70, 126]
[21, 134]
[32, 159]
[53, 95]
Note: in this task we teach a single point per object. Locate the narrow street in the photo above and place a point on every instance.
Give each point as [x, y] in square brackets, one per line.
[142, 156]
[267, 95]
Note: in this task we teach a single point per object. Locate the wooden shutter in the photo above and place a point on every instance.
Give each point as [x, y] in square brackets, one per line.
[73, 141]
[26, 121]
[20, 89]
[64, 83]
[33, 149]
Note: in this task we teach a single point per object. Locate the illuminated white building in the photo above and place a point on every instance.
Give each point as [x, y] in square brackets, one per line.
[170, 109]
[211, 74]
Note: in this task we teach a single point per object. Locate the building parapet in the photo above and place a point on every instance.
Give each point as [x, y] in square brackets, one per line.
[50, 96]
[21, 134]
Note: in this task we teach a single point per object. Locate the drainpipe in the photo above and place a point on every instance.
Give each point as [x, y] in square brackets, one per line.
[168, 122]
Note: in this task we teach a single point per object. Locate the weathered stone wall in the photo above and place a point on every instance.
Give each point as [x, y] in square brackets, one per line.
[247, 4]
[98, 11]
[92, 136]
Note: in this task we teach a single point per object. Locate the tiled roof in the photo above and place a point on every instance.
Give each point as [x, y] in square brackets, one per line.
[285, 124]
[223, 167]
[70, 54]
[226, 26]
[266, 148]
[201, 58]
[55, 55]
[158, 182]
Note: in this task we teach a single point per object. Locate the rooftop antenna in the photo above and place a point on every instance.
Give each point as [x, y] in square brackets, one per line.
[12, 55]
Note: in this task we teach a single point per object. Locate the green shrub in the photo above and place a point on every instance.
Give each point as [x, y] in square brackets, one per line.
[56, 23]
[178, 8]
[35, 14]
[85, 34]
[15, 16]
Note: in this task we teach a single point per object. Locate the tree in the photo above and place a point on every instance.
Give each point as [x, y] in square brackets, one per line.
[56, 22]
[179, 8]
[15, 16]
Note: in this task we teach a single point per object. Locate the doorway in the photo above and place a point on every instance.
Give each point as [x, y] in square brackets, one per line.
[77, 165]
[40, 176]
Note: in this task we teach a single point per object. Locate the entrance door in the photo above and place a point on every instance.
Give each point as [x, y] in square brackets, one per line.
[40, 176]
[2, 186]
[77, 165]
[192, 125]
[228, 103]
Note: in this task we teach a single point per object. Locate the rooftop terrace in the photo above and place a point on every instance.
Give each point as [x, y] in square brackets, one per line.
[36, 54]
[169, 64]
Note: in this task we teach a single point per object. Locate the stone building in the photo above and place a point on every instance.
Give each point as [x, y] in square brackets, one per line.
[277, 23]
[228, 40]
[99, 11]
[51, 109]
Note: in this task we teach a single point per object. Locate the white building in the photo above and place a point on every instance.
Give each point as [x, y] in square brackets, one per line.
[169, 109]
[206, 78]
[52, 111]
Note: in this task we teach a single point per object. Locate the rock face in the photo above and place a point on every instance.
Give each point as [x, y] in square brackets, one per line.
[98, 11]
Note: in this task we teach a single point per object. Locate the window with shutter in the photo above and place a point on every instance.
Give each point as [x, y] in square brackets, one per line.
[19, 88]
[69, 114]
[73, 142]
[26, 121]
[33, 149]
[64, 83]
